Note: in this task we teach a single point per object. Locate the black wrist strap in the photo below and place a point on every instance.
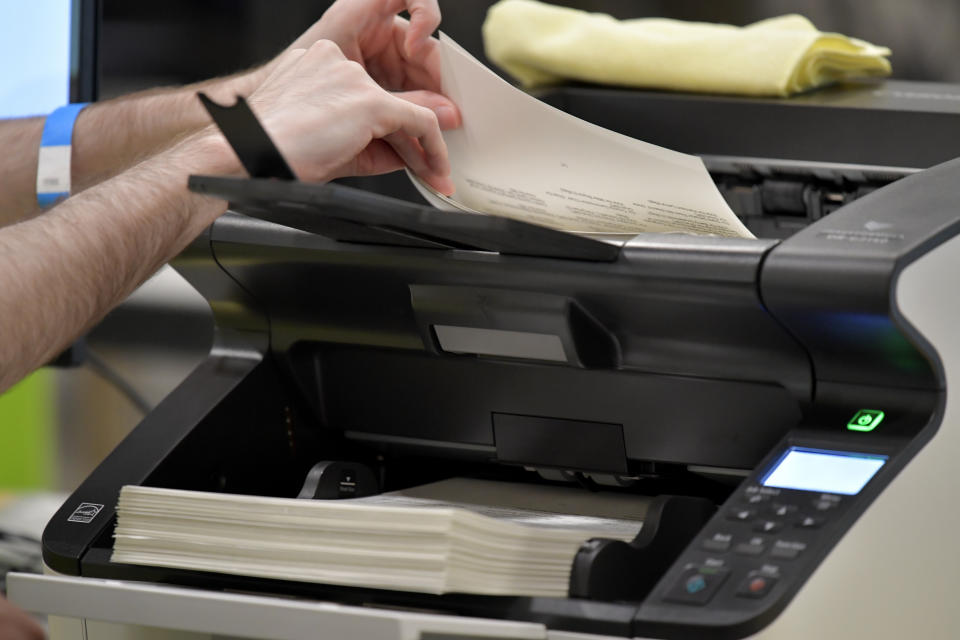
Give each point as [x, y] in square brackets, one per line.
[244, 133]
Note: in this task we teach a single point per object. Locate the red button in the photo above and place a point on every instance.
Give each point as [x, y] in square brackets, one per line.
[757, 585]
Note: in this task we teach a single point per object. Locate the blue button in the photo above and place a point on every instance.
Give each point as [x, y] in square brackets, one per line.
[696, 584]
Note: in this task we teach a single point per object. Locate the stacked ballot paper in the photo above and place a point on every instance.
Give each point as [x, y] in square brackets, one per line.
[410, 541]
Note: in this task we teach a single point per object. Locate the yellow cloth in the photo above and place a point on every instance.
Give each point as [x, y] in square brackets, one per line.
[540, 44]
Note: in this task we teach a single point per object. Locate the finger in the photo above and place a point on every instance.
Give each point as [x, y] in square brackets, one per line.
[379, 157]
[410, 150]
[430, 66]
[424, 20]
[448, 115]
[421, 124]
[422, 68]
[389, 66]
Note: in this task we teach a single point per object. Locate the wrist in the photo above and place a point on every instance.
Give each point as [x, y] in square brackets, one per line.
[206, 152]
[55, 153]
[226, 90]
[203, 153]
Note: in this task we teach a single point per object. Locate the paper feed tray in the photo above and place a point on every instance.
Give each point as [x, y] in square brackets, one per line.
[352, 215]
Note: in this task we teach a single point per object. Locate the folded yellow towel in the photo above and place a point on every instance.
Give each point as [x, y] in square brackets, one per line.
[540, 44]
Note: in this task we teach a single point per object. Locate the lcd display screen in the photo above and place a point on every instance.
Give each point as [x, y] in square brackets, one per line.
[842, 472]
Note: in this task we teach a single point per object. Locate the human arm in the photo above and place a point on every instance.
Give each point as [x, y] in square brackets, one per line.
[61, 272]
[113, 135]
[108, 137]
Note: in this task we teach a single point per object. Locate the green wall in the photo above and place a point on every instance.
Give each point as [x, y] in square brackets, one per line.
[28, 433]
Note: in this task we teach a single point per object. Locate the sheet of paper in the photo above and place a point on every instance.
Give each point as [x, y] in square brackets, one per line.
[518, 157]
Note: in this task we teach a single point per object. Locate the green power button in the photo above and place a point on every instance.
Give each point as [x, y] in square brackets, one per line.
[865, 420]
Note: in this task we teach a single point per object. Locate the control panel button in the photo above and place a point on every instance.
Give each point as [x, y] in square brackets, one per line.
[697, 585]
[810, 522]
[755, 498]
[787, 549]
[753, 547]
[768, 526]
[826, 502]
[742, 515]
[756, 585]
[782, 510]
[718, 542]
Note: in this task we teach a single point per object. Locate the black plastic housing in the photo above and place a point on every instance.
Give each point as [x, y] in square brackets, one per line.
[679, 356]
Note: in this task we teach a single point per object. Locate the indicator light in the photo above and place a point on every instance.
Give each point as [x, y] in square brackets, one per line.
[865, 420]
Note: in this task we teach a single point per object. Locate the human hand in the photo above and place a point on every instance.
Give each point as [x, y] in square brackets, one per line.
[16, 624]
[399, 55]
[330, 119]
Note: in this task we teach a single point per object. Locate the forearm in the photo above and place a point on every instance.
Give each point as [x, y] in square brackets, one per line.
[19, 146]
[108, 138]
[61, 272]
[111, 136]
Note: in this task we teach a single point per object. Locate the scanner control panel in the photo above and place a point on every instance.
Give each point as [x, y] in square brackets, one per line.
[755, 544]
[771, 533]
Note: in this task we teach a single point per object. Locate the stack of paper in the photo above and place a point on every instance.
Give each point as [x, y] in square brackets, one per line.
[409, 541]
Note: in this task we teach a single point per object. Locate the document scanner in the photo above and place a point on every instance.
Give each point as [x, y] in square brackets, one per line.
[785, 401]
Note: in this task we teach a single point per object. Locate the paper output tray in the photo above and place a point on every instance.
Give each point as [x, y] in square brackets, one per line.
[609, 579]
[102, 604]
[353, 215]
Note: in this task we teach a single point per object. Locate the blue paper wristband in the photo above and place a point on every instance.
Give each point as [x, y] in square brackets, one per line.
[53, 166]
